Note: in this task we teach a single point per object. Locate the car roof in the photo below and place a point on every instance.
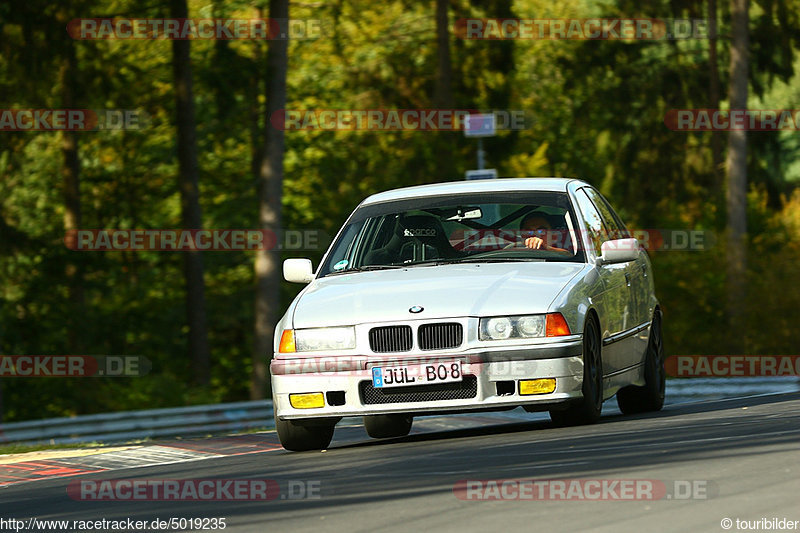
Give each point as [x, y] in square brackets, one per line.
[473, 186]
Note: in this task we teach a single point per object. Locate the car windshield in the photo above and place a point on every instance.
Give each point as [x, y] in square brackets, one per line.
[501, 227]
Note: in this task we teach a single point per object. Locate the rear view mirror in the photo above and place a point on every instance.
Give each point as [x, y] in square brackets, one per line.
[298, 270]
[618, 251]
[467, 213]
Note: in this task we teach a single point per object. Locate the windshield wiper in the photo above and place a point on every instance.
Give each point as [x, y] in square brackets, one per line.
[365, 268]
[494, 260]
[476, 260]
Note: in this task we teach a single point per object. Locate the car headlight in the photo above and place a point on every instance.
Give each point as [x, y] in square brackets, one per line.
[530, 326]
[496, 329]
[321, 339]
[523, 327]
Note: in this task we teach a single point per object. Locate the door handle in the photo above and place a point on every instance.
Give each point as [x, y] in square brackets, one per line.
[628, 279]
[644, 270]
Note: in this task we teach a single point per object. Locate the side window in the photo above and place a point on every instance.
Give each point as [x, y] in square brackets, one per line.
[610, 217]
[591, 220]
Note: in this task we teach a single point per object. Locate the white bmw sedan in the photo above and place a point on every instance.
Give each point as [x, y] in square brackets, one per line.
[468, 296]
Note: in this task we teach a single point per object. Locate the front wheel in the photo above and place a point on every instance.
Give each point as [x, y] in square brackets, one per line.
[385, 426]
[587, 411]
[300, 437]
[650, 397]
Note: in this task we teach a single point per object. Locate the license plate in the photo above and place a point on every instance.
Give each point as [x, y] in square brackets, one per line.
[419, 374]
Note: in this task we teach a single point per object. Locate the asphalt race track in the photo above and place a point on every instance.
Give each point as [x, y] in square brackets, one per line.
[737, 458]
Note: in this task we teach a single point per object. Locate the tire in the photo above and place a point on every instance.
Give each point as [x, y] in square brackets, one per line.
[298, 437]
[385, 426]
[650, 397]
[587, 411]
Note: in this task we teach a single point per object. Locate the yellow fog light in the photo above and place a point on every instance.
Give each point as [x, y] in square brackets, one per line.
[312, 400]
[536, 386]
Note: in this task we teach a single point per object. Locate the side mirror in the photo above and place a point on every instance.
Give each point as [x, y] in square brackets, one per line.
[618, 251]
[298, 270]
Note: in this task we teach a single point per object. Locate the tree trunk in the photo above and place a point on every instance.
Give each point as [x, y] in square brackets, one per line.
[736, 164]
[267, 267]
[190, 202]
[443, 95]
[714, 95]
[443, 98]
[70, 174]
[255, 122]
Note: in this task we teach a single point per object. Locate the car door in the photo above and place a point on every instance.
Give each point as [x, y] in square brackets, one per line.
[613, 303]
[632, 271]
[639, 270]
[635, 315]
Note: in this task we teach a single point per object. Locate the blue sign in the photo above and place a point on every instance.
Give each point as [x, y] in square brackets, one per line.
[483, 125]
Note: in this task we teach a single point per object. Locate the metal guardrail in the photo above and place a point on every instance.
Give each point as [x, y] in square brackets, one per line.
[241, 416]
[132, 425]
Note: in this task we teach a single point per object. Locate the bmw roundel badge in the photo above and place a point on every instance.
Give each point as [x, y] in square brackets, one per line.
[416, 309]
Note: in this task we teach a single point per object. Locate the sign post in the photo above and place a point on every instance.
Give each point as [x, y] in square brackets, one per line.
[483, 174]
[480, 126]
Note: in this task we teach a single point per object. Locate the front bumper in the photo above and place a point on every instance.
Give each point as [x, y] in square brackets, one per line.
[349, 379]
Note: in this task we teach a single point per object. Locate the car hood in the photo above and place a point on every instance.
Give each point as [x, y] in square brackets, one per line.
[474, 289]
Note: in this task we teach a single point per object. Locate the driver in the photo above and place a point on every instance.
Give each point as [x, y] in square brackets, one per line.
[536, 230]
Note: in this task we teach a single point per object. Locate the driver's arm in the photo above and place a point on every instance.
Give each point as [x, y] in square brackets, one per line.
[537, 243]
